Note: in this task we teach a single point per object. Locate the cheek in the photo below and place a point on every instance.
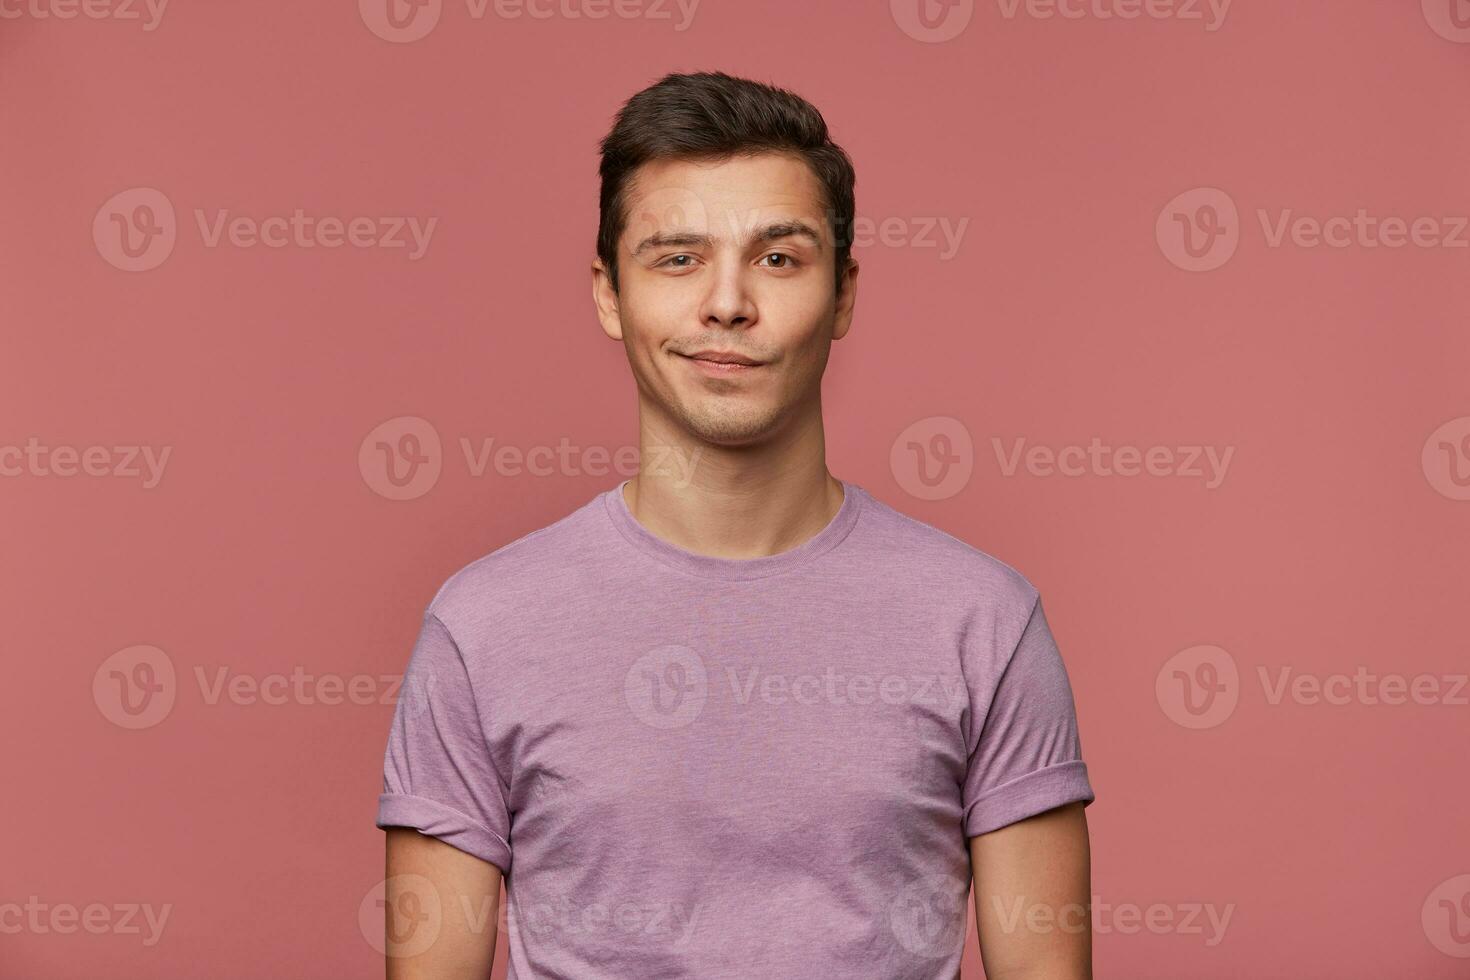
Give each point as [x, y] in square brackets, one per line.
[798, 320]
[653, 313]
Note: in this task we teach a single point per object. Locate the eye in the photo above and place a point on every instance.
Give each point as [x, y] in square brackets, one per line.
[787, 261]
[672, 261]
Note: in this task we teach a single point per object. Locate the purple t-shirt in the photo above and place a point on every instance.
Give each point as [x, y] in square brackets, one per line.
[703, 767]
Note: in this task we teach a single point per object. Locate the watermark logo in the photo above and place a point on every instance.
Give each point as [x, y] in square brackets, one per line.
[1450, 19]
[934, 458]
[1446, 459]
[666, 688]
[1198, 687]
[932, 21]
[135, 687]
[928, 917]
[401, 458]
[1446, 917]
[1201, 686]
[135, 230]
[1199, 230]
[667, 210]
[401, 916]
[400, 21]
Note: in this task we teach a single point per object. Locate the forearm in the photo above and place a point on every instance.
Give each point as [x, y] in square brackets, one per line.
[1032, 898]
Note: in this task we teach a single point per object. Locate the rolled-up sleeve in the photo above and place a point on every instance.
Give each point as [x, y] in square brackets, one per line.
[439, 777]
[1027, 756]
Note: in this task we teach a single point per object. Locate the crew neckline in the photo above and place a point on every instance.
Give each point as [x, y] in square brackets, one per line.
[735, 569]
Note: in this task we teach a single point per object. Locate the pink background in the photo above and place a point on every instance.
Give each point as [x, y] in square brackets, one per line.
[1334, 835]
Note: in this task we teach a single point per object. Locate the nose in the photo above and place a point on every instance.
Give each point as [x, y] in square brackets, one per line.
[729, 302]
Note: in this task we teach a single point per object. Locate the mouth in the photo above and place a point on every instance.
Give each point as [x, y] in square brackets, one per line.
[721, 364]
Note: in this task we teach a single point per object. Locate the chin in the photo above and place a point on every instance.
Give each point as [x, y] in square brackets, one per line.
[729, 426]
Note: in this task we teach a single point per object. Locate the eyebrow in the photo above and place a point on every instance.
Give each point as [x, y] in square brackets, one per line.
[770, 233]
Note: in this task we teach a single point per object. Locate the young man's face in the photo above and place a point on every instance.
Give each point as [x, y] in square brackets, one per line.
[727, 258]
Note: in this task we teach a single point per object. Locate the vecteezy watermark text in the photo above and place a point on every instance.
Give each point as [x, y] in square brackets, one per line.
[832, 687]
[136, 230]
[1207, 463]
[1200, 687]
[1211, 13]
[148, 12]
[1201, 229]
[95, 918]
[667, 687]
[303, 230]
[406, 21]
[934, 458]
[137, 687]
[34, 459]
[1126, 918]
[936, 21]
[402, 459]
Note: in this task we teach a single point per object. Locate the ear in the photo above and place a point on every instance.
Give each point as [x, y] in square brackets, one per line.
[605, 298]
[846, 300]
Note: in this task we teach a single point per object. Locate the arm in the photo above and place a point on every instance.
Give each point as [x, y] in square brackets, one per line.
[1032, 897]
[469, 892]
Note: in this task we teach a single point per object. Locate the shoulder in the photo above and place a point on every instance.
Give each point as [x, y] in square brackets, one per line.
[948, 563]
[524, 574]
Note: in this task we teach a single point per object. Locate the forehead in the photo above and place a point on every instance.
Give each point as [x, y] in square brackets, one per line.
[721, 196]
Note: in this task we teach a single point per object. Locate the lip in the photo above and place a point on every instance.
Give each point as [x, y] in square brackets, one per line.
[723, 357]
[721, 364]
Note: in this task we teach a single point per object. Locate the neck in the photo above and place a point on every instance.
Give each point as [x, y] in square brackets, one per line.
[733, 502]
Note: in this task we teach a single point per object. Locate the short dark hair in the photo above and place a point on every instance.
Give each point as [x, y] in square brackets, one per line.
[714, 116]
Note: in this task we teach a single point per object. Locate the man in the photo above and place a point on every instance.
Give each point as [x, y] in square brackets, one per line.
[734, 717]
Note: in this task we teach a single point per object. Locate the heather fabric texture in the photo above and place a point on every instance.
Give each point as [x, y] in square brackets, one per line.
[705, 767]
